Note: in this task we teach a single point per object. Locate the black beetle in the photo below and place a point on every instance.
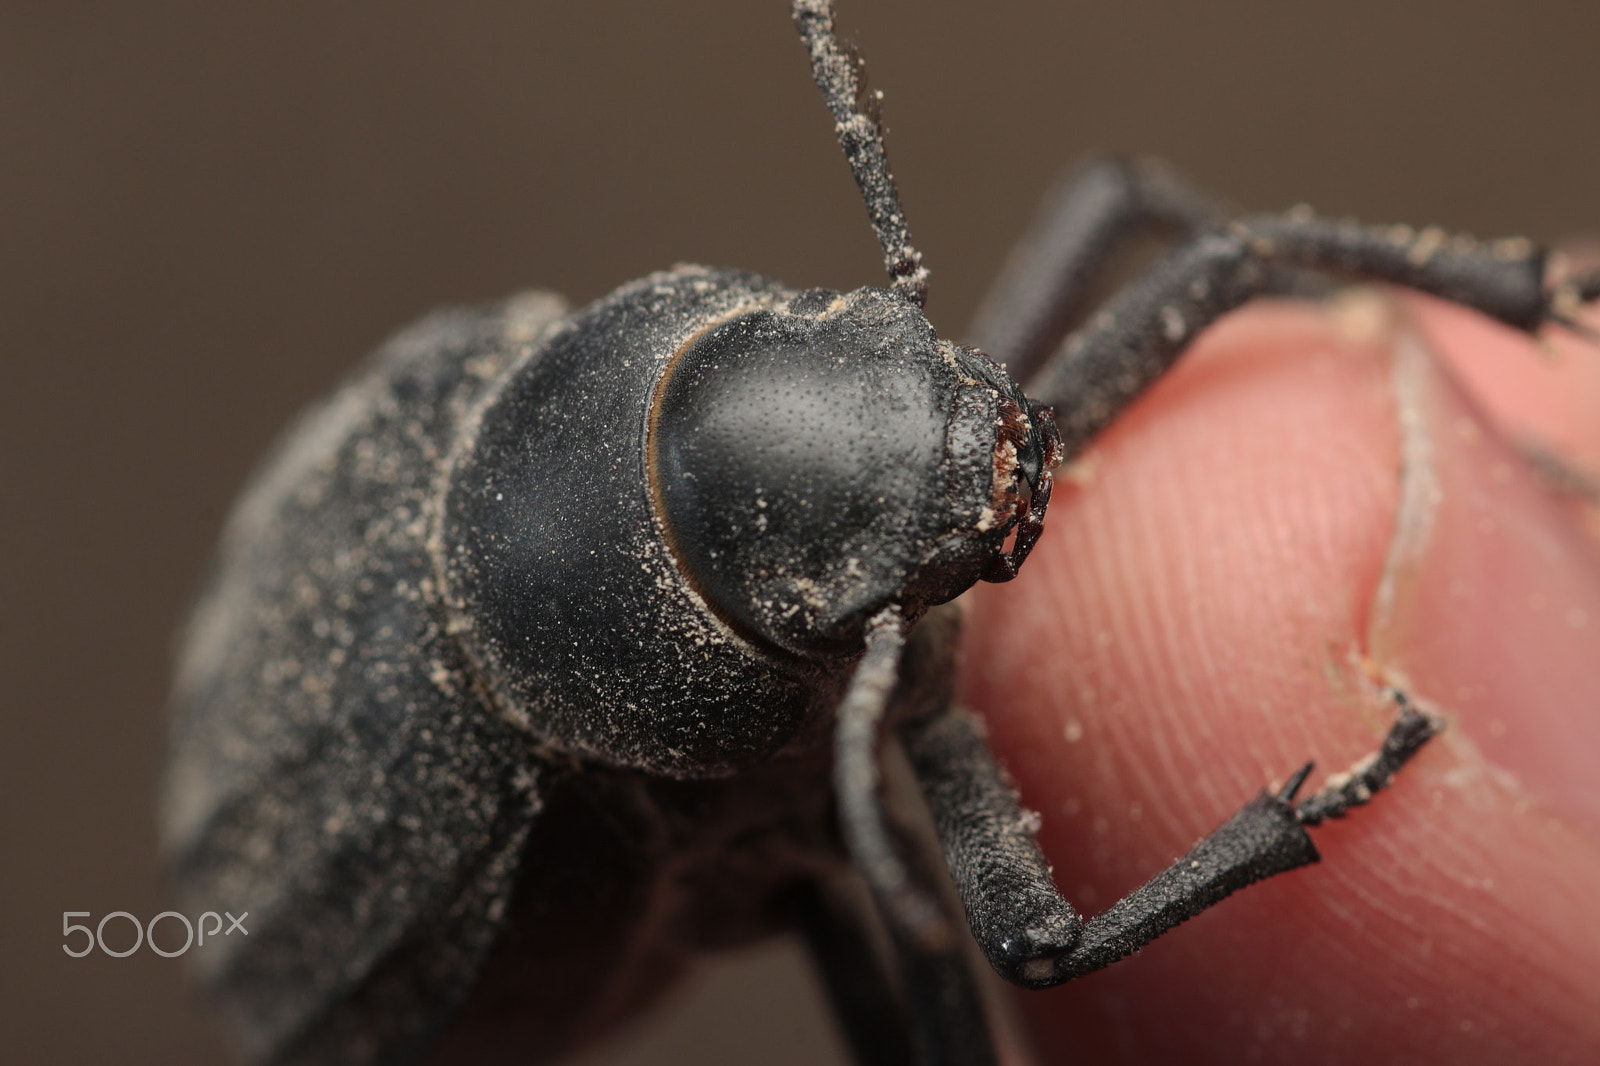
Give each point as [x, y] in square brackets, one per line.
[557, 639]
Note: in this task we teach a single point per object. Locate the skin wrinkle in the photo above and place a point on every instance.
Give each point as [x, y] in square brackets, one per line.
[1270, 543]
[1357, 937]
[1415, 521]
[1474, 505]
[1191, 628]
[1167, 760]
[1419, 498]
[1280, 542]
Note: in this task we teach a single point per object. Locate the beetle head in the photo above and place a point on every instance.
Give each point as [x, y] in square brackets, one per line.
[814, 460]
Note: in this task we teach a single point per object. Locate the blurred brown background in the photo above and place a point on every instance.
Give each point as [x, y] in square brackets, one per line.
[208, 212]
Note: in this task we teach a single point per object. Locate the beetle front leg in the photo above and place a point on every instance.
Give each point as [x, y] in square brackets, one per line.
[1126, 347]
[1030, 934]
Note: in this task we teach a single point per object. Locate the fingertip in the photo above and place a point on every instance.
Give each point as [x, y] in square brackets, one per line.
[1208, 587]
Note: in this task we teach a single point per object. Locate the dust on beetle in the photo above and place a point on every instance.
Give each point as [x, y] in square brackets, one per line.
[561, 644]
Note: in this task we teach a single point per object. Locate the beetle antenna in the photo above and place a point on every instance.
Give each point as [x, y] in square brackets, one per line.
[944, 1006]
[857, 777]
[841, 76]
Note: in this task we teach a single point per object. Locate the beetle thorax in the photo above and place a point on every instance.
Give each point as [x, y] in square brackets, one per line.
[659, 536]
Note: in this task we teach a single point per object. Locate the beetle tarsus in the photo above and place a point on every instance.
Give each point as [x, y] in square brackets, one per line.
[1101, 368]
[1411, 730]
[1219, 263]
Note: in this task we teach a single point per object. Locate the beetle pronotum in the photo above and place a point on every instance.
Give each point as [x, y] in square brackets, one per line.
[747, 504]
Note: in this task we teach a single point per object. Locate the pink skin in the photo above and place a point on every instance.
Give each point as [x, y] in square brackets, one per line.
[1306, 509]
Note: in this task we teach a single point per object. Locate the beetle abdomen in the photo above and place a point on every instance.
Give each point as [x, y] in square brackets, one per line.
[335, 773]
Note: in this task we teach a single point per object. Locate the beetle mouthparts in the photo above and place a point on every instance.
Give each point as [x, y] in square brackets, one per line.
[1033, 448]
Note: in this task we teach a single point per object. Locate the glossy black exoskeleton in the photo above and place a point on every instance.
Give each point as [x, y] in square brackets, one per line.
[559, 645]
[470, 571]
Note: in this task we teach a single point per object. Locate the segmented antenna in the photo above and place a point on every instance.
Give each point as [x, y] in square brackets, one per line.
[856, 122]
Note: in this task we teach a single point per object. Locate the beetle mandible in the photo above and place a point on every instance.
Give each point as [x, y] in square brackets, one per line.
[558, 638]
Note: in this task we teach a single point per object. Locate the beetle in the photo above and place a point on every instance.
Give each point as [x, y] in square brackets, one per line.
[563, 637]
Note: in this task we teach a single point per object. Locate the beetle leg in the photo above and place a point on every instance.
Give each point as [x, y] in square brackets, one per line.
[1030, 933]
[864, 1002]
[1092, 212]
[1411, 730]
[946, 1012]
[1123, 349]
[1013, 908]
